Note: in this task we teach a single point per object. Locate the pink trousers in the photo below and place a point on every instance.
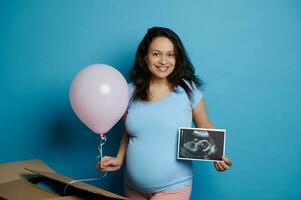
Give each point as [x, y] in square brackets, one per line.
[182, 193]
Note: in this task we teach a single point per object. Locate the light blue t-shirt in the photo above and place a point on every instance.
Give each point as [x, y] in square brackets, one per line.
[151, 157]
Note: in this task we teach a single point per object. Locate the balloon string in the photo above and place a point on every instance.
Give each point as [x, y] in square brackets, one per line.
[98, 158]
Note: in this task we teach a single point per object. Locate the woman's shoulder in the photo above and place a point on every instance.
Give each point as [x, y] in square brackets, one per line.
[190, 84]
[195, 93]
[187, 84]
[131, 88]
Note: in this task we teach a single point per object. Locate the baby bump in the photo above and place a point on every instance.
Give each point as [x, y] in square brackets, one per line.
[148, 166]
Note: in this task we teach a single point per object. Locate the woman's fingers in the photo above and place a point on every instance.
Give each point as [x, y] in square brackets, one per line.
[227, 161]
[224, 165]
[106, 159]
[218, 166]
[108, 163]
[104, 162]
[112, 168]
[221, 166]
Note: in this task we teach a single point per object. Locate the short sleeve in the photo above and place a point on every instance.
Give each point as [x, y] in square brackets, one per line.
[131, 88]
[196, 95]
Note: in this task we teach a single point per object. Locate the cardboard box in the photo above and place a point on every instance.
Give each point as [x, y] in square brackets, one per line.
[19, 180]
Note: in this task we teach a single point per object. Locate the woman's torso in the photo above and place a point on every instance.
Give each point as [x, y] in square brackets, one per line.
[151, 161]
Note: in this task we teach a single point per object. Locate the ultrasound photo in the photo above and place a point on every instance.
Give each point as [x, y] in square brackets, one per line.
[201, 144]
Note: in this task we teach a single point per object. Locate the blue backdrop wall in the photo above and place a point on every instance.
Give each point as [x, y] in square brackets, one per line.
[248, 53]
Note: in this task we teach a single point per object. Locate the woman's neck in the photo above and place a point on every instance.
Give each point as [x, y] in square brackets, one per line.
[159, 89]
[159, 82]
[160, 85]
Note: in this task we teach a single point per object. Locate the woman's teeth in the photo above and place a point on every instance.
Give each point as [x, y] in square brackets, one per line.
[162, 69]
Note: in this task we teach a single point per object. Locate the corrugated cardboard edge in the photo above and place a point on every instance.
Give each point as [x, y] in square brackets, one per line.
[67, 198]
[78, 185]
[15, 184]
[15, 170]
[22, 189]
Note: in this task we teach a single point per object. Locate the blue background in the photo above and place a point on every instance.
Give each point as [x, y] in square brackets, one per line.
[248, 53]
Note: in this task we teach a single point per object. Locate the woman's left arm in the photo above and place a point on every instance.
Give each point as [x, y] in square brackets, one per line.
[201, 120]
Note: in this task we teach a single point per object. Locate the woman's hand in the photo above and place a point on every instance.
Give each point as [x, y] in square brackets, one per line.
[108, 163]
[223, 165]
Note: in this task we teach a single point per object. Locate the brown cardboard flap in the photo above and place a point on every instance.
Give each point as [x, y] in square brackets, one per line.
[15, 170]
[68, 198]
[22, 189]
[79, 185]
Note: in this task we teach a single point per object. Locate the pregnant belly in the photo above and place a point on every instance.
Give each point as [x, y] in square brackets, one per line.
[152, 167]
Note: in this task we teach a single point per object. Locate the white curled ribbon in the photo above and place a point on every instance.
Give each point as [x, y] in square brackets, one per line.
[103, 140]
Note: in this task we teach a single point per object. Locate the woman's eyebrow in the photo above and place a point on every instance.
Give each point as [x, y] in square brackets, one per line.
[162, 51]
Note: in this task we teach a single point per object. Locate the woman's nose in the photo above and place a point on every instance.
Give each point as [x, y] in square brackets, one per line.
[163, 60]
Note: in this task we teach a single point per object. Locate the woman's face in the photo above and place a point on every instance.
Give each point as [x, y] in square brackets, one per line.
[161, 58]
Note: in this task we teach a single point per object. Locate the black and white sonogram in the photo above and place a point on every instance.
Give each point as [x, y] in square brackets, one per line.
[201, 144]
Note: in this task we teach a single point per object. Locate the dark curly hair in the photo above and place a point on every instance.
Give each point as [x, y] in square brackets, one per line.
[184, 70]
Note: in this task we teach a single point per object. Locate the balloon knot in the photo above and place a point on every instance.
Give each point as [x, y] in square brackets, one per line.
[102, 136]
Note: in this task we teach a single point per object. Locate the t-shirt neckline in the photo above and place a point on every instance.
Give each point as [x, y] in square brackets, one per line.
[159, 101]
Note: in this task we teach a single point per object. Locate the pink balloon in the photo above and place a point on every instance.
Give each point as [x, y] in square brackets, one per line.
[99, 97]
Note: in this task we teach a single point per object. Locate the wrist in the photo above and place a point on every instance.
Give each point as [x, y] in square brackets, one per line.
[120, 158]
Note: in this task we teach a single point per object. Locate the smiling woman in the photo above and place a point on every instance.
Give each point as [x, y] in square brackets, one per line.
[165, 95]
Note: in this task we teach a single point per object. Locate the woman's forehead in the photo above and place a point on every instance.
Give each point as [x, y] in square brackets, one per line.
[161, 44]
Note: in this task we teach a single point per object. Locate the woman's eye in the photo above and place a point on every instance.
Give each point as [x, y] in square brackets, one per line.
[171, 55]
[155, 54]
